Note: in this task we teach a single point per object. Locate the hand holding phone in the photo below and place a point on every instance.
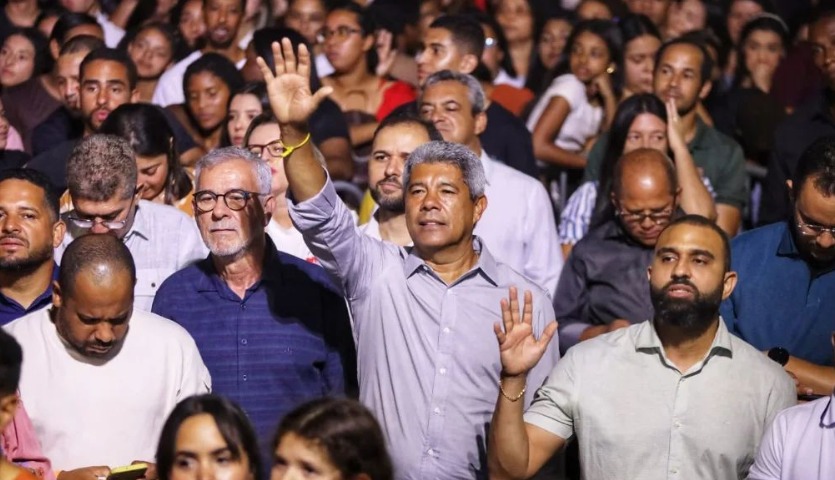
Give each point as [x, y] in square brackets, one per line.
[128, 472]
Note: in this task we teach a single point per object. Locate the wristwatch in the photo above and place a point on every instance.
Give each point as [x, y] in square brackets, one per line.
[779, 355]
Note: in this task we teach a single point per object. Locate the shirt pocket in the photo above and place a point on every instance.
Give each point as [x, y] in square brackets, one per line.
[148, 281]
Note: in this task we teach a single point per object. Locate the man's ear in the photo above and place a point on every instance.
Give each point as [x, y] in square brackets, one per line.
[790, 187]
[478, 208]
[468, 64]
[728, 284]
[480, 122]
[8, 407]
[134, 96]
[705, 90]
[59, 229]
[269, 208]
[57, 295]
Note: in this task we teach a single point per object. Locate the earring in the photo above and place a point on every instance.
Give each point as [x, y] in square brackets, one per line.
[611, 69]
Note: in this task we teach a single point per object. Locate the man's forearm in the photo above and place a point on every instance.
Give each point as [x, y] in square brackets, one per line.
[508, 449]
[820, 378]
[305, 175]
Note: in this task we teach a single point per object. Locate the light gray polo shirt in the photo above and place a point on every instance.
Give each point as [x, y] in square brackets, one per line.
[637, 417]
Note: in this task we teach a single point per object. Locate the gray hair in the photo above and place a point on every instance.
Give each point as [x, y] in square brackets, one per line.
[100, 167]
[452, 154]
[474, 91]
[260, 169]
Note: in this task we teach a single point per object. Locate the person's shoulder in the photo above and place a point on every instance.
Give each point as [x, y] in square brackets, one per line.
[29, 324]
[508, 276]
[166, 216]
[498, 116]
[756, 362]
[510, 177]
[615, 343]
[754, 240]
[801, 414]
[300, 273]
[184, 280]
[716, 139]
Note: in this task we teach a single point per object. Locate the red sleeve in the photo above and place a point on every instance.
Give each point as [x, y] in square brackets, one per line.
[395, 95]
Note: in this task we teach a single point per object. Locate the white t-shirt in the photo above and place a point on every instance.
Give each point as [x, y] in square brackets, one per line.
[112, 33]
[88, 413]
[290, 240]
[582, 123]
[169, 90]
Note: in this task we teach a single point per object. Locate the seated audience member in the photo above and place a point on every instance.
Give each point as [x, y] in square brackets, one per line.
[263, 301]
[20, 14]
[519, 222]
[811, 120]
[553, 36]
[798, 444]
[641, 121]
[499, 86]
[590, 299]
[11, 145]
[692, 399]
[30, 230]
[655, 10]
[599, 9]
[337, 437]
[263, 139]
[25, 55]
[112, 33]
[66, 122]
[107, 80]
[364, 97]
[11, 360]
[682, 75]
[209, 83]
[307, 17]
[208, 436]
[245, 105]
[410, 306]
[641, 42]
[70, 25]
[517, 21]
[106, 199]
[91, 351]
[687, 16]
[328, 128]
[223, 19]
[456, 42]
[152, 50]
[187, 16]
[784, 303]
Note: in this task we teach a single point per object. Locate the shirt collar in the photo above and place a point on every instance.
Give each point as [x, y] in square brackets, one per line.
[486, 163]
[486, 263]
[271, 271]
[787, 247]
[141, 222]
[828, 415]
[647, 339]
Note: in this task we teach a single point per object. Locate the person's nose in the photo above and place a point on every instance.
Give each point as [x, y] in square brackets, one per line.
[105, 332]
[826, 239]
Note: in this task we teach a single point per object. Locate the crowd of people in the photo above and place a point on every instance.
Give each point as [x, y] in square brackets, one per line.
[424, 239]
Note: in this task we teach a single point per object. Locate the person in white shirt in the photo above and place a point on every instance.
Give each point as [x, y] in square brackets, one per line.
[102, 181]
[519, 225]
[100, 378]
[112, 33]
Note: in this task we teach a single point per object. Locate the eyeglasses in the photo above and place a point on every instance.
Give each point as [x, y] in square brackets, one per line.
[88, 223]
[274, 149]
[340, 33]
[658, 218]
[236, 199]
[812, 230]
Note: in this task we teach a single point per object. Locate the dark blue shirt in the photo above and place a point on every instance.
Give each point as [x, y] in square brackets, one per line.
[779, 301]
[11, 310]
[287, 341]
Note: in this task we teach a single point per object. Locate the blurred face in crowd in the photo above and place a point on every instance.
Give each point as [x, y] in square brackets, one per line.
[223, 17]
[440, 52]
[814, 222]
[4, 128]
[299, 457]
[646, 131]
[104, 87]
[200, 452]
[656, 10]
[429, 11]
[192, 24]
[763, 50]
[639, 56]
[389, 151]
[552, 42]
[593, 10]
[28, 231]
[306, 17]
[80, 6]
[265, 141]
[516, 20]
[645, 201]
[67, 70]
[738, 15]
[242, 109]
[493, 54]
[678, 77]
[822, 38]
[92, 316]
[93, 30]
[17, 61]
[687, 277]
[345, 46]
[685, 16]
[207, 97]
[447, 105]
[151, 52]
[589, 57]
[113, 216]
[152, 175]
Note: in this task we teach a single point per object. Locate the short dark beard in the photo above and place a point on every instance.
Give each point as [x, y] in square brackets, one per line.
[27, 265]
[694, 316]
[397, 205]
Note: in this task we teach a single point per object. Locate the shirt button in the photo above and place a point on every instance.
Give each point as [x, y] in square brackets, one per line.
[437, 411]
[673, 470]
[243, 306]
[431, 452]
[446, 329]
[243, 341]
[244, 377]
[677, 424]
[153, 285]
[442, 371]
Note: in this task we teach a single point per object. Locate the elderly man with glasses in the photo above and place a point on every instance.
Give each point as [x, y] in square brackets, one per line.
[101, 178]
[604, 283]
[785, 303]
[272, 329]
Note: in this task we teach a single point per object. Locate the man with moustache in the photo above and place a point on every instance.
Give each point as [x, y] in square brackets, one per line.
[675, 396]
[785, 303]
[223, 19]
[682, 74]
[101, 377]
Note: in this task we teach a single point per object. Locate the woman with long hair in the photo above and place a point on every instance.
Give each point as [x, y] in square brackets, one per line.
[641, 41]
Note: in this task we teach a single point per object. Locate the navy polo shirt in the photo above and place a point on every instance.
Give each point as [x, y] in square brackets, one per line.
[11, 310]
[779, 301]
[287, 341]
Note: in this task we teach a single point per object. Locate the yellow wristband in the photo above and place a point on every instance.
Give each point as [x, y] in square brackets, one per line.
[290, 150]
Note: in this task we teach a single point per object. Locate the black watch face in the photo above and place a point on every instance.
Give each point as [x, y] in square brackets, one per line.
[779, 355]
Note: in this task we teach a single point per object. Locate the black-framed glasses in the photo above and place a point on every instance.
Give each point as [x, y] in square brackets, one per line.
[658, 218]
[813, 230]
[340, 33]
[275, 149]
[236, 199]
[88, 223]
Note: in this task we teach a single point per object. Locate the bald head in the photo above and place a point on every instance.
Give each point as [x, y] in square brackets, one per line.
[644, 171]
[102, 258]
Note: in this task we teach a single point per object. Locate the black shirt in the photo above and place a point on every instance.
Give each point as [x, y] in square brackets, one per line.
[58, 127]
[53, 164]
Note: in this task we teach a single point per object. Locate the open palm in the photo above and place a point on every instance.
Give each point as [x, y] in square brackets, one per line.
[519, 350]
[289, 87]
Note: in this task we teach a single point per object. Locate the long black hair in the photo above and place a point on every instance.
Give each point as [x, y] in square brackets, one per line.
[763, 22]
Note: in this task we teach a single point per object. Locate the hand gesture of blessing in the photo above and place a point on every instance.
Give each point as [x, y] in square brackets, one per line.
[289, 88]
[518, 349]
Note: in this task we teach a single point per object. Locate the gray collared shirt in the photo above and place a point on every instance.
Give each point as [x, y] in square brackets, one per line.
[427, 355]
[161, 240]
[637, 417]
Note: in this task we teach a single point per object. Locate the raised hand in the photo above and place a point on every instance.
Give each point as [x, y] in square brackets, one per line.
[385, 54]
[675, 127]
[518, 349]
[289, 88]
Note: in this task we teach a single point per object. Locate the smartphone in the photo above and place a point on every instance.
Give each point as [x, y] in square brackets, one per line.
[129, 472]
